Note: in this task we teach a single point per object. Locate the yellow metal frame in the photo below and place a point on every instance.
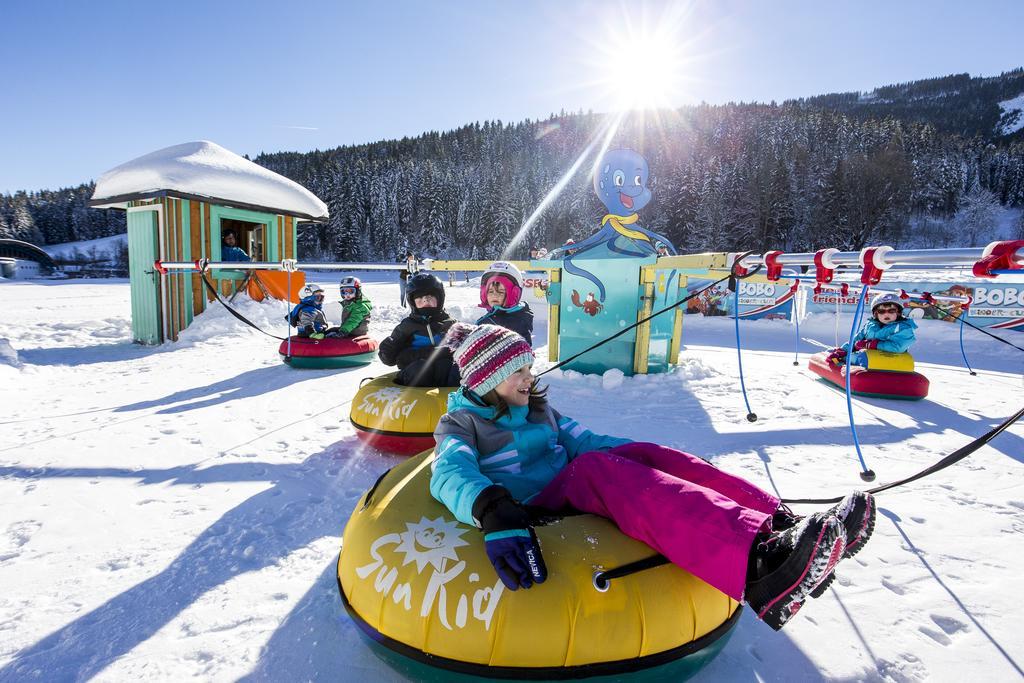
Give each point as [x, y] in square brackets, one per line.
[554, 311]
[478, 265]
[641, 349]
[708, 264]
[677, 326]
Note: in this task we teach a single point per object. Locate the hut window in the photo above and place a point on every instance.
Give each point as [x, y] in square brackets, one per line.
[250, 236]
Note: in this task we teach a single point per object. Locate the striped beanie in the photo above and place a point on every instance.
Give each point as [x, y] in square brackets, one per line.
[487, 354]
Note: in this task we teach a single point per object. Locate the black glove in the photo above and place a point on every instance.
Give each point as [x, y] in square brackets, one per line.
[512, 546]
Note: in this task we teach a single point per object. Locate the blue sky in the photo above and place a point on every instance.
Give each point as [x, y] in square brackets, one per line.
[87, 86]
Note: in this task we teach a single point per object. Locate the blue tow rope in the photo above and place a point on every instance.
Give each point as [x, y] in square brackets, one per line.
[963, 314]
[751, 416]
[865, 474]
[796, 342]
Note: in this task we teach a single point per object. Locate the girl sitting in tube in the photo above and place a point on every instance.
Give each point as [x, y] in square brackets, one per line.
[501, 293]
[502, 450]
[887, 330]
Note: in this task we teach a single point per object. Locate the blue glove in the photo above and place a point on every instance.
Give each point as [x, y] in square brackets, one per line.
[515, 555]
[512, 546]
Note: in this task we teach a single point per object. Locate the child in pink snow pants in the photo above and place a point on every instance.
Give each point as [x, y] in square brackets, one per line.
[501, 448]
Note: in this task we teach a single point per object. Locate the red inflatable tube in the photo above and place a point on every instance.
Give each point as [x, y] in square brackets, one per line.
[328, 353]
[315, 348]
[908, 386]
[397, 444]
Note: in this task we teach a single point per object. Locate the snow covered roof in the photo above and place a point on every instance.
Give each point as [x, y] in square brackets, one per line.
[206, 171]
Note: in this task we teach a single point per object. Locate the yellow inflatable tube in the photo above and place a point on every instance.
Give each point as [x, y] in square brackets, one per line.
[418, 581]
[398, 419]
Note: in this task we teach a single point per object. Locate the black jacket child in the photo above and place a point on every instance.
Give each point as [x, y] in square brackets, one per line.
[415, 345]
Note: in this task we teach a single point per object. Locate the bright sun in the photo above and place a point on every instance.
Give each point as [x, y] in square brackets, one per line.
[646, 61]
[646, 75]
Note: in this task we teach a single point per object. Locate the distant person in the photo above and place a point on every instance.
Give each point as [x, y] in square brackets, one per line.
[566, 249]
[410, 269]
[229, 249]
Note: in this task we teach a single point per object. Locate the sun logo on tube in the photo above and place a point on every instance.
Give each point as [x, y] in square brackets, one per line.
[430, 542]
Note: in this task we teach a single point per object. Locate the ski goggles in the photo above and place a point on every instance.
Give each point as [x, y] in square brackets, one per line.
[348, 292]
[890, 308]
[319, 296]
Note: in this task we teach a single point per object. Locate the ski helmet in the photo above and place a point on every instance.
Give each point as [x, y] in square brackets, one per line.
[508, 275]
[421, 284]
[883, 299]
[352, 285]
[312, 288]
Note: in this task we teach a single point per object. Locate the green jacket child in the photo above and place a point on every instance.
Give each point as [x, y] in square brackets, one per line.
[355, 310]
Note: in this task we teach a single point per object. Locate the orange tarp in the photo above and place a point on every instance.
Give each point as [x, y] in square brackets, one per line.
[275, 284]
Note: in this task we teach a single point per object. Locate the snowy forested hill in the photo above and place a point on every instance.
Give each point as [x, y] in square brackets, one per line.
[900, 165]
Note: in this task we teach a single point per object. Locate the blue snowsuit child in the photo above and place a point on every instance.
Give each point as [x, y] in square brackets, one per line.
[894, 334]
[308, 315]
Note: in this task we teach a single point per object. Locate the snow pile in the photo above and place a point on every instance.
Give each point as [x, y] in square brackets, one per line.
[1012, 118]
[612, 379]
[8, 356]
[206, 169]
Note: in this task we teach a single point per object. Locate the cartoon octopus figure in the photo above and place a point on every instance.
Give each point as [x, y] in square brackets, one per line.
[621, 184]
[590, 305]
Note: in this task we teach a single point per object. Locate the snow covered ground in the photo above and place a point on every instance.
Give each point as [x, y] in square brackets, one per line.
[176, 512]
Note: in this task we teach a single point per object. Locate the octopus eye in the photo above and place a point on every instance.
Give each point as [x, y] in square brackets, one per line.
[619, 179]
[637, 181]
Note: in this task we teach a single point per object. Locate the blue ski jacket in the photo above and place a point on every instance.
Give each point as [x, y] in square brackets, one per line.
[896, 337]
[308, 316]
[522, 450]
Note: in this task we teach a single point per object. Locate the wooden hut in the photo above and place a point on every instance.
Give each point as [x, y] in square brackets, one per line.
[180, 201]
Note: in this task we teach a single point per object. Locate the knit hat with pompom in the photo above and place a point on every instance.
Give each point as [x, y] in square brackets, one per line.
[487, 355]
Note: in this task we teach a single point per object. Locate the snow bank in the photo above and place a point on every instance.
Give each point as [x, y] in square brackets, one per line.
[8, 356]
[206, 169]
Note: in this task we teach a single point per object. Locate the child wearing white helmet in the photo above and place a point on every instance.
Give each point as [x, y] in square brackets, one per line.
[501, 293]
[886, 330]
[308, 315]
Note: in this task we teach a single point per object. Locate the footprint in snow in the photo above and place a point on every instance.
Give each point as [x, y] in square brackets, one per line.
[16, 536]
[894, 587]
[948, 624]
[938, 636]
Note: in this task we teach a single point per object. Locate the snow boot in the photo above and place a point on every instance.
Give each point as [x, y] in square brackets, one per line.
[785, 566]
[857, 513]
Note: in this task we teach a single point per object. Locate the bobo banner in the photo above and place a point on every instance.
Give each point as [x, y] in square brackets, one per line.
[756, 299]
[996, 306]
